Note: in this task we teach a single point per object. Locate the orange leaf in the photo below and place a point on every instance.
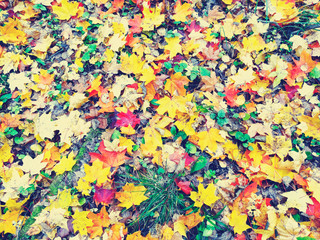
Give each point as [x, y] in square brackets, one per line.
[109, 159]
[99, 220]
[177, 83]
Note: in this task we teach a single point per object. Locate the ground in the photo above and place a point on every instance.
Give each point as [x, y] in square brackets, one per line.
[160, 119]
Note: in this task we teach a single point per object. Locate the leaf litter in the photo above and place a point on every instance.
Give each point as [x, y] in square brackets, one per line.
[159, 120]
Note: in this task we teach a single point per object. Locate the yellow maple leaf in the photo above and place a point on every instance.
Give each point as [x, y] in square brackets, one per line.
[152, 17]
[279, 145]
[278, 169]
[5, 153]
[65, 164]
[314, 187]
[96, 172]
[131, 195]
[204, 196]
[131, 64]
[66, 10]
[288, 228]
[179, 227]
[297, 199]
[9, 220]
[152, 139]
[64, 200]
[81, 222]
[173, 46]
[147, 75]
[11, 33]
[181, 11]
[84, 186]
[312, 126]
[238, 221]
[209, 139]
[174, 104]
[126, 142]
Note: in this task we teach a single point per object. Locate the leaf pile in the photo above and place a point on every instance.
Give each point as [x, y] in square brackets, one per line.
[159, 120]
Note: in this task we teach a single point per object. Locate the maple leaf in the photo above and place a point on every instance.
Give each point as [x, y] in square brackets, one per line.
[177, 83]
[131, 64]
[209, 139]
[288, 229]
[9, 220]
[84, 186]
[152, 139]
[279, 145]
[65, 164]
[174, 104]
[131, 195]
[152, 17]
[147, 75]
[96, 172]
[183, 185]
[109, 158]
[10, 32]
[238, 221]
[137, 236]
[135, 24]
[209, 82]
[5, 153]
[181, 11]
[102, 195]
[310, 127]
[314, 187]
[231, 95]
[297, 199]
[33, 165]
[191, 220]
[173, 46]
[126, 119]
[81, 222]
[66, 10]
[314, 209]
[204, 196]
[99, 220]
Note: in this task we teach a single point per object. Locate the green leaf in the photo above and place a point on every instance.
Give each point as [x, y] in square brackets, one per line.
[177, 68]
[82, 201]
[246, 117]
[116, 135]
[213, 116]
[135, 147]
[315, 73]
[207, 232]
[305, 238]
[167, 65]
[183, 65]
[86, 56]
[40, 61]
[18, 140]
[200, 163]
[221, 114]
[173, 130]
[204, 72]
[191, 148]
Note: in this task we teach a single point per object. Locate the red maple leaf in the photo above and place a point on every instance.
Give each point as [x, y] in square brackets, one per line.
[184, 186]
[135, 24]
[314, 209]
[126, 119]
[103, 196]
[109, 158]
[188, 160]
[231, 95]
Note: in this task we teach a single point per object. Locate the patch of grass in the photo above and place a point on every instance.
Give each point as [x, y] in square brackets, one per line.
[164, 199]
